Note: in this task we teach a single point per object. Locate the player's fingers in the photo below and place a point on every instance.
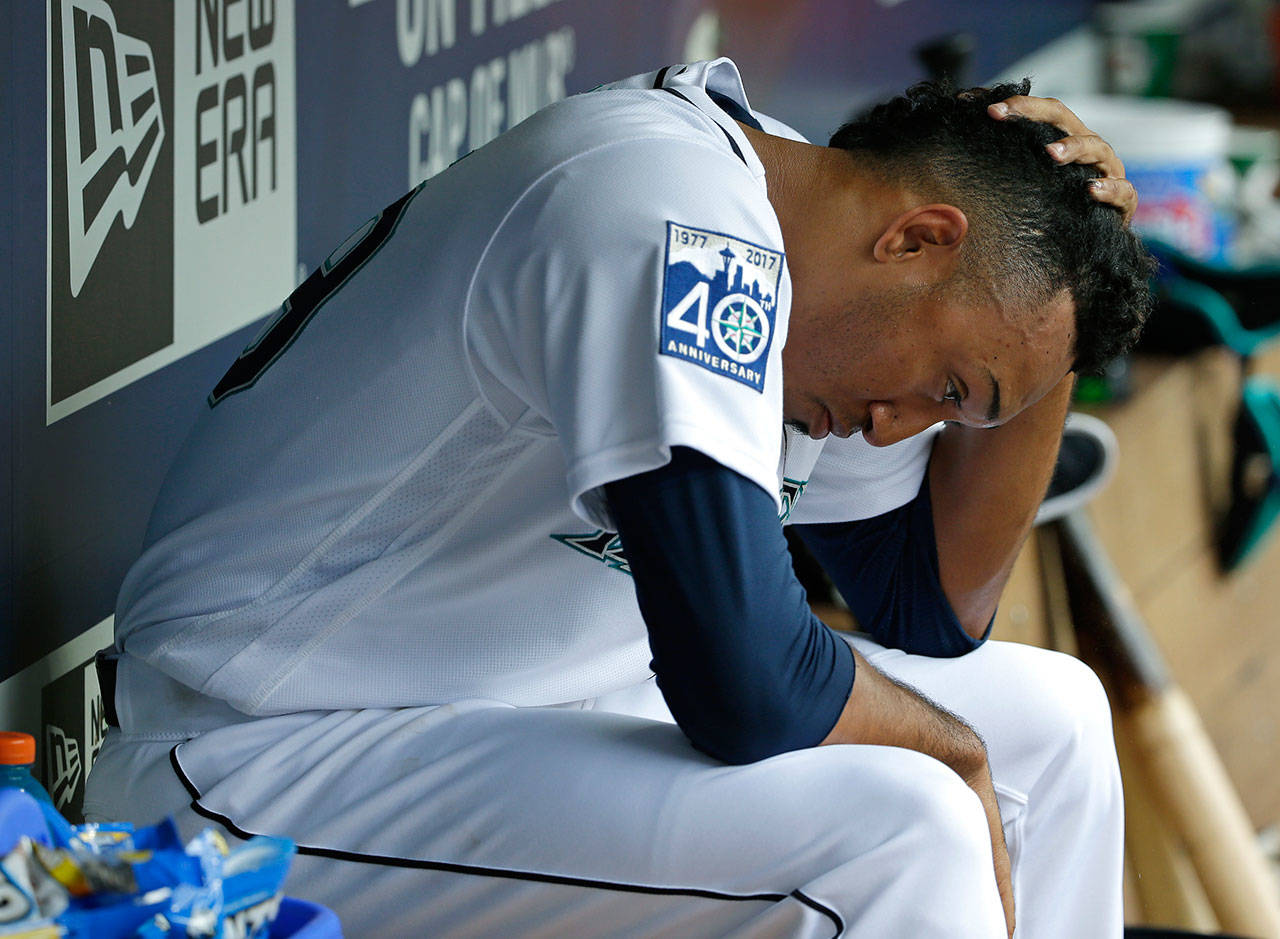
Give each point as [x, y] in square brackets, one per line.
[1046, 110]
[1080, 145]
[1117, 192]
[1089, 149]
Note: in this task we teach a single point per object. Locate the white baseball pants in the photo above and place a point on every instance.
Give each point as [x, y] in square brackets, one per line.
[599, 819]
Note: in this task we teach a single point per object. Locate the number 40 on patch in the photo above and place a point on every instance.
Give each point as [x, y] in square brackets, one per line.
[719, 302]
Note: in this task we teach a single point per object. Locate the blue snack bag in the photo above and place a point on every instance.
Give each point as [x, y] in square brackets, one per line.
[239, 895]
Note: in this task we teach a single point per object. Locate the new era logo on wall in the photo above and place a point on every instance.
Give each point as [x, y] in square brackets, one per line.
[172, 182]
[113, 129]
[74, 726]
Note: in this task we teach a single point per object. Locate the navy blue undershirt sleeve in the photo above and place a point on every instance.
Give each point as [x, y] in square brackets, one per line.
[746, 669]
[886, 568]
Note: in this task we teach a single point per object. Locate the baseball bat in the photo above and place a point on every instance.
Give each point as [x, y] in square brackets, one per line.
[1187, 780]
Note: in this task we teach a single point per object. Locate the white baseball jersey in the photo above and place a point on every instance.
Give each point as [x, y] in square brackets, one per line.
[395, 496]
[394, 499]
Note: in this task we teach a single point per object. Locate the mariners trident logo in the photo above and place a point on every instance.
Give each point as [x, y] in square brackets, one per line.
[719, 297]
[740, 327]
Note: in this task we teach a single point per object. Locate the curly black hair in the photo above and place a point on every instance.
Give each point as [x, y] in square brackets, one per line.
[1034, 229]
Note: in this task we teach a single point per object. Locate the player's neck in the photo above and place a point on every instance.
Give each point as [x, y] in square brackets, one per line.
[820, 192]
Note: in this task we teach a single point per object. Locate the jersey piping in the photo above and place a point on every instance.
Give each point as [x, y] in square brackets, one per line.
[733, 143]
[386, 860]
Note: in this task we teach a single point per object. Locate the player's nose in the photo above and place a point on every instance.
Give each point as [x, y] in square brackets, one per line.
[889, 422]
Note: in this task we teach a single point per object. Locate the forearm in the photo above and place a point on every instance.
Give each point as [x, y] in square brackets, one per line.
[887, 713]
[986, 485]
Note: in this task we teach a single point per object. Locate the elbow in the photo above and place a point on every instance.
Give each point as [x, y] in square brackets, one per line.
[739, 746]
[977, 629]
[935, 630]
[738, 729]
[975, 621]
[973, 610]
[752, 700]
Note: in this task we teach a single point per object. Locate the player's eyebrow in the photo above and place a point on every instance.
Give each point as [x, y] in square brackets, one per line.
[993, 412]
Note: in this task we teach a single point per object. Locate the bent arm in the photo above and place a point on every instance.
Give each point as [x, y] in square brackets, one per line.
[886, 568]
[985, 486]
[745, 667]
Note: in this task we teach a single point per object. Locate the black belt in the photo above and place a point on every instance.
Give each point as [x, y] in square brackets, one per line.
[105, 664]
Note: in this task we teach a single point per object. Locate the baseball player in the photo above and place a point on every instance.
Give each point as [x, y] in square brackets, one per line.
[470, 576]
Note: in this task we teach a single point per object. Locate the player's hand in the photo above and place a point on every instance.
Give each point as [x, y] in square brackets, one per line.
[980, 782]
[1081, 145]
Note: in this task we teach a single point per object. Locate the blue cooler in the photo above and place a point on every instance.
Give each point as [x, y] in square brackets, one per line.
[1176, 155]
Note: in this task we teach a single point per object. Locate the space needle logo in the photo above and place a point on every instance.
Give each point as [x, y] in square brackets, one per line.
[719, 298]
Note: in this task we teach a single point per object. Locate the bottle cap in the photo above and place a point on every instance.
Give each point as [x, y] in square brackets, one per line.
[16, 748]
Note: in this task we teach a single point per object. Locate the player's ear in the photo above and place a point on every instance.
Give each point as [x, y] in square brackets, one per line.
[922, 231]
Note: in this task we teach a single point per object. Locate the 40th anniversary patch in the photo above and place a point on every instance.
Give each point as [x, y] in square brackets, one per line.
[719, 300]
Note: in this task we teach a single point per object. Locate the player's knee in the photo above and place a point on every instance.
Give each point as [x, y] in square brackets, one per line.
[1070, 717]
[1071, 701]
[938, 817]
[949, 819]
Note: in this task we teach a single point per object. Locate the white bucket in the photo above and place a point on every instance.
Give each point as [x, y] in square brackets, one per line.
[1175, 152]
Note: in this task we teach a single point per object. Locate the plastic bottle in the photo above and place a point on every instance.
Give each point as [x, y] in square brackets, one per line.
[17, 755]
